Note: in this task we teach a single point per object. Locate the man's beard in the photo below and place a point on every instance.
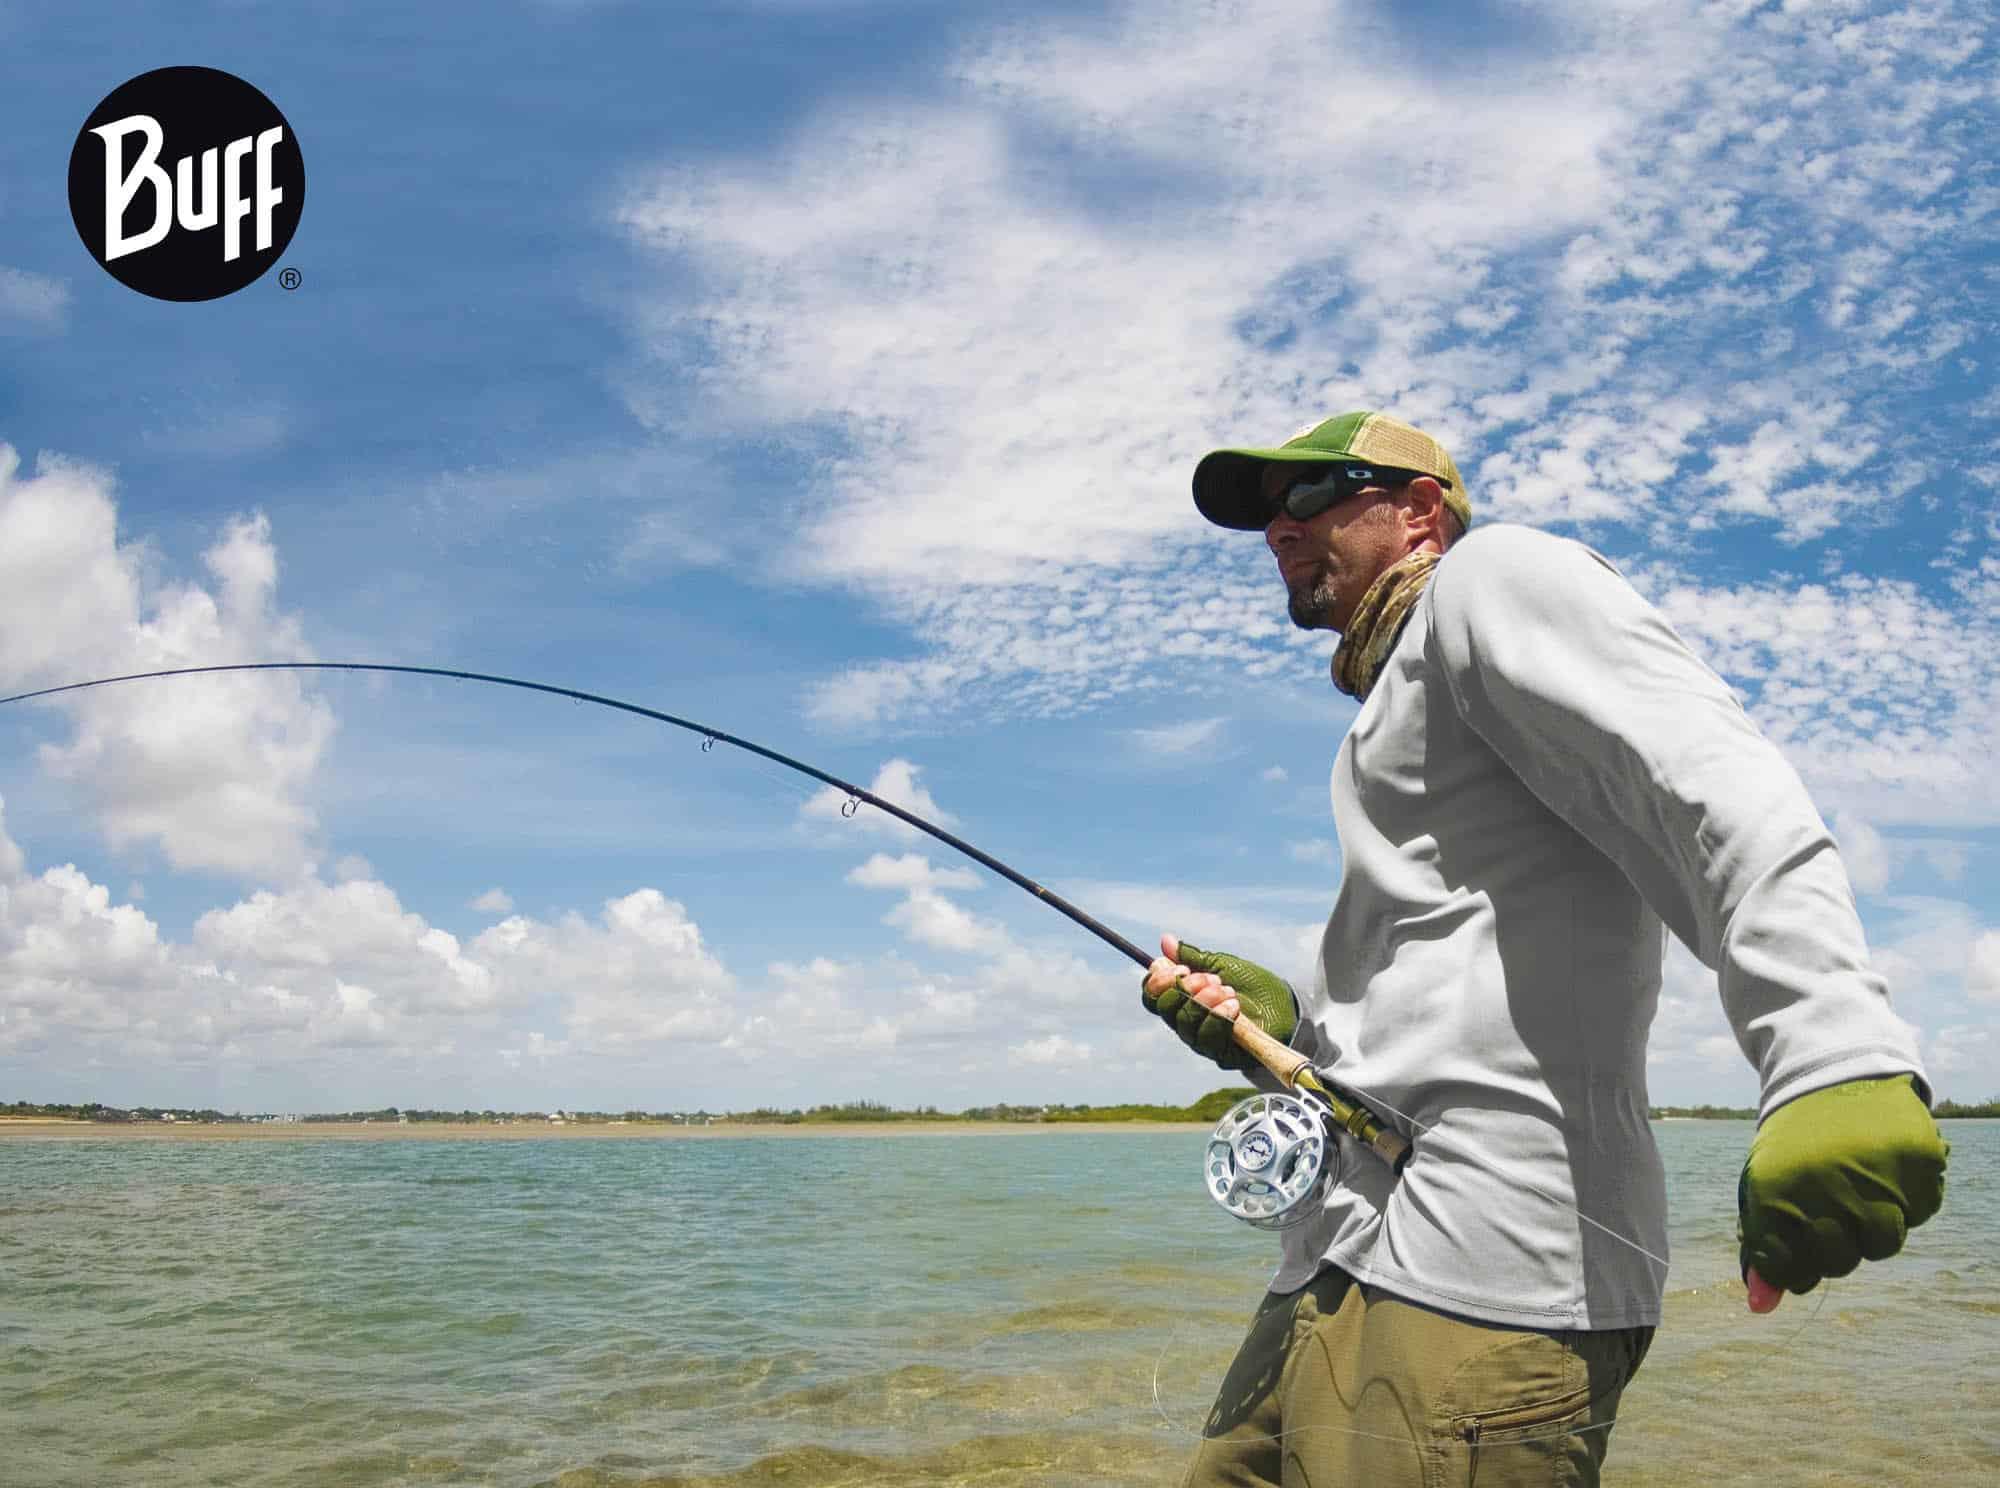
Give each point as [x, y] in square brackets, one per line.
[1311, 602]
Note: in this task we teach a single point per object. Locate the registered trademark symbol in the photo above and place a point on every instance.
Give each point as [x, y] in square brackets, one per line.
[290, 278]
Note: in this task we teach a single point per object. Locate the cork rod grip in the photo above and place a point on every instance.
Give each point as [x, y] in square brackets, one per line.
[1283, 1062]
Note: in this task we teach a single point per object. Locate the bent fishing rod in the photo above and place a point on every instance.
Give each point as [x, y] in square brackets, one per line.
[1290, 1068]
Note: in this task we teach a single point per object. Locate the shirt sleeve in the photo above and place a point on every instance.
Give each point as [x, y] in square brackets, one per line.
[1593, 700]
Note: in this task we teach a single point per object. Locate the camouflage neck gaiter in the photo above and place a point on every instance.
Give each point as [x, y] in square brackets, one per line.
[1378, 621]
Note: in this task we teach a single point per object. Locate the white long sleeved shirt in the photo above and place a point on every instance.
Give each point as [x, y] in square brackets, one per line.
[1542, 775]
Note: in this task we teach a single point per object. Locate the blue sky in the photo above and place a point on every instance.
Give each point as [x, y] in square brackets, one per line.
[832, 373]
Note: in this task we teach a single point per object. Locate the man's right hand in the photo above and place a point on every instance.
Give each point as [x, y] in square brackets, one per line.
[1199, 993]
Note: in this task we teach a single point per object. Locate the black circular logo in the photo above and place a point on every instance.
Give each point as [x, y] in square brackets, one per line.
[186, 183]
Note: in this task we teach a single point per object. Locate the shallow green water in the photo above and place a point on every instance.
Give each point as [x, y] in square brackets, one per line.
[890, 1310]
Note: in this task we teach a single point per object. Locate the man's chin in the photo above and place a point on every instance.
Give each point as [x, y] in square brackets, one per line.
[1309, 609]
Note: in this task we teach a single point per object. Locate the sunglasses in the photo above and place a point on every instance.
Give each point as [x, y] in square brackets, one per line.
[1316, 490]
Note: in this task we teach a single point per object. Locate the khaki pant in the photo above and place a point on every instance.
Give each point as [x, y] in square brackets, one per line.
[1342, 1386]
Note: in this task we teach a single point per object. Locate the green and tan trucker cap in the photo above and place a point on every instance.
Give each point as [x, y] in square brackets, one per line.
[1228, 484]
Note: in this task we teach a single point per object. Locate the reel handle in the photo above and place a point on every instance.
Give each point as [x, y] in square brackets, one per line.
[1295, 1071]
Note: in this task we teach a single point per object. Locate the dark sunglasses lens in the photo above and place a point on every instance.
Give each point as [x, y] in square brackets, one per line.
[1310, 497]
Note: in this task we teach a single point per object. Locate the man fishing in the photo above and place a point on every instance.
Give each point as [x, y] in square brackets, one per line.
[1541, 775]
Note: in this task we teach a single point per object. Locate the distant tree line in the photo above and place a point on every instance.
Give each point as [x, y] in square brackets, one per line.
[469, 1117]
[1210, 1107]
[97, 1111]
[1703, 1113]
[1949, 1108]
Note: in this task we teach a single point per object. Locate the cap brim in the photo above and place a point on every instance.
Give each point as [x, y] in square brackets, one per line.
[1229, 484]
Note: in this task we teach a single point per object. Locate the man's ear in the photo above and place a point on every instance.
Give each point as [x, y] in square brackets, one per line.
[1423, 498]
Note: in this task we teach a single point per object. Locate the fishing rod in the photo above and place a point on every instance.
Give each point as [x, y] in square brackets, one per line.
[1267, 1141]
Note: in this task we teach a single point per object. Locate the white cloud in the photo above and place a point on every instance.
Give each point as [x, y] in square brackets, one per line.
[1938, 957]
[826, 1010]
[296, 977]
[1689, 1031]
[344, 980]
[993, 991]
[896, 782]
[1982, 972]
[945, 1007]
[1052, 1049]
[1862, 850]
[1177, 740]
[1946, 859]
[1075, 641]
[212, 769]
[1659, 278]
[314, 938]
[1278, 926]
[71, 591]
[239, 429]
[641, 974]
[933, 920]
[910, 871]
[355, 1020]
[1720, 1051]
[32, 302]
[1876, 861]
[1960, 1057]
[670, 505]
[493, 901]
[924, 914]
[1885, 698]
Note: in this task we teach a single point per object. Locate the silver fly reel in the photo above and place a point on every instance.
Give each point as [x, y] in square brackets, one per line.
[1271, 1157]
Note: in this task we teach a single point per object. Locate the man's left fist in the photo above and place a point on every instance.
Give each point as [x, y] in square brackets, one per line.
[1836, 1177]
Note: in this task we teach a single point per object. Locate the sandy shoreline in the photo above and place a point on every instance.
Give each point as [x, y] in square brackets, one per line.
[446, 1131]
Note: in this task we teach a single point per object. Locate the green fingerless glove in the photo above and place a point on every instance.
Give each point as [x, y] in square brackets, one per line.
[1266, 998]
[1836, 1176]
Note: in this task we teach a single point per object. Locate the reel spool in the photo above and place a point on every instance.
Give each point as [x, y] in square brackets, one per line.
[1270, 1158]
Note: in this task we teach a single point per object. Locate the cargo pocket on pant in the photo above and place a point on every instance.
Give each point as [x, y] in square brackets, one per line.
[1548, 1418]
[1560, 1439]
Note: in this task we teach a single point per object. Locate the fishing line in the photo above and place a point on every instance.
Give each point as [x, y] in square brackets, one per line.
[1360, 1122]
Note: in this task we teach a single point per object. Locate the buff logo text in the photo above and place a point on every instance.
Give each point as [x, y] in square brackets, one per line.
[186, 183]
[184, 199]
